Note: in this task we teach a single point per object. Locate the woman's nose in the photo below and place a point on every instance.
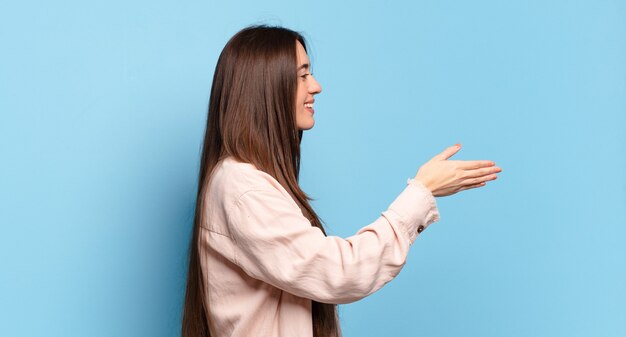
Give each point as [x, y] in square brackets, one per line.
[315, 87]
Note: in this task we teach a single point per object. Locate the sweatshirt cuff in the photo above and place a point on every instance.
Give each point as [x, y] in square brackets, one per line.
[414, 209]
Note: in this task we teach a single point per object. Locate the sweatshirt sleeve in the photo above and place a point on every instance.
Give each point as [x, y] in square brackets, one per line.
[275, 243]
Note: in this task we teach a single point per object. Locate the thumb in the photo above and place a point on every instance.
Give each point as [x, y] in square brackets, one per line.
[449, 152]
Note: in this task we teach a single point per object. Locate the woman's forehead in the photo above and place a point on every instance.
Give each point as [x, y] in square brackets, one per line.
[302, 57]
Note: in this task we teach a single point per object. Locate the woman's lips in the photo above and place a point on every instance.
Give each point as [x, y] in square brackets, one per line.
[309, 106]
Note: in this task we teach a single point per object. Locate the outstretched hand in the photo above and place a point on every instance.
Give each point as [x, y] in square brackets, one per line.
[445, 177]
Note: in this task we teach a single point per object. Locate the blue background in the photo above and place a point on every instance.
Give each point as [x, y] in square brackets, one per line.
[103, 106]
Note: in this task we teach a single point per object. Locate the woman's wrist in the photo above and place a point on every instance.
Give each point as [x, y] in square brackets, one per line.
[419, 181]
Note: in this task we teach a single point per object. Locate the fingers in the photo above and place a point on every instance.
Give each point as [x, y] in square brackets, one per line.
[482, 172]
[479, 180]
[472, 186]
[474, 164]
[449, 152]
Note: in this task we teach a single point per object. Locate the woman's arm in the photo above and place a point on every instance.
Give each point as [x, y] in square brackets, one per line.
[275, 243]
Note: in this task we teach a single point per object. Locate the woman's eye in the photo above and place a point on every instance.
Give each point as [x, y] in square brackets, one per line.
[305, 75]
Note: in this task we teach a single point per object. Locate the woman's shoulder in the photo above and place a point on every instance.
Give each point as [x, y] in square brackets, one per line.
[232, 178]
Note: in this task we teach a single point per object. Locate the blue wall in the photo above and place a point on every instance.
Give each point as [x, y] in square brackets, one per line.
[103, 106]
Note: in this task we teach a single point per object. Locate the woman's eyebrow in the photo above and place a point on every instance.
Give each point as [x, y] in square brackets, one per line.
[304, 66]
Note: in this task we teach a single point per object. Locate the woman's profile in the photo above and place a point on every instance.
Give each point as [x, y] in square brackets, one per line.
[260, 261]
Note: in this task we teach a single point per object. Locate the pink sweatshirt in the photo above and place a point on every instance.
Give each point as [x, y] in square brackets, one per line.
[263, 262]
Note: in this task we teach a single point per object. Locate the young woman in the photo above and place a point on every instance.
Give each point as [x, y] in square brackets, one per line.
[260, 261]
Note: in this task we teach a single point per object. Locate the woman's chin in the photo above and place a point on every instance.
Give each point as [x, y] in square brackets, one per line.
[307, 126]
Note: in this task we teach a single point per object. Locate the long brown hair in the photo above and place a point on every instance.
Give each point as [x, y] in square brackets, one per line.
[252, 118]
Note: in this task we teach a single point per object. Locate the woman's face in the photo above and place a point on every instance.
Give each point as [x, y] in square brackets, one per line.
[307, 87]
